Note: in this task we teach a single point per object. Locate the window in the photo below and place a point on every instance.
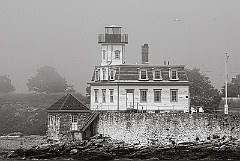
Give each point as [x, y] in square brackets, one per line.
[104, 73]
[174, 74]
[96, 95]
[116, 30]
[74, 118]
[74, 122]
[97, 75]
[51, 119]
[104, 54]
[173, 95]
[103, 95]
[157, 74]
[143, 95]
[143, 74]
[157, 95]
[111, 95]
[117, 54]
[112, 77]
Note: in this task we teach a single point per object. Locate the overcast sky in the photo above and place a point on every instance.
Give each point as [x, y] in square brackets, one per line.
[63, 34]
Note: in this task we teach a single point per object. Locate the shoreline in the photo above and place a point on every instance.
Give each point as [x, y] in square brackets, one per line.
[105, 148]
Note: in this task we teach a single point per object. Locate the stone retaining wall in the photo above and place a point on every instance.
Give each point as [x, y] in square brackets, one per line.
[158, 128]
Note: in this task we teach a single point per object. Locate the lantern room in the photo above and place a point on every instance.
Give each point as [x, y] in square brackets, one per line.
[113, 35]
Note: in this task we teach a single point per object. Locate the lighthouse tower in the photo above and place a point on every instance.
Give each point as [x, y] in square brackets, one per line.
[113, 45]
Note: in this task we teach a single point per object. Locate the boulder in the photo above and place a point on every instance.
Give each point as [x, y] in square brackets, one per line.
[73, 151]
[93, 156]
[44, 147]
[44, 156]
[32, 152]
[215, 136]
[16, 153]
[3, 154]
[98, 141]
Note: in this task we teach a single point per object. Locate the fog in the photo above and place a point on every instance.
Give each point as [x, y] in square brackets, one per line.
[63, 34]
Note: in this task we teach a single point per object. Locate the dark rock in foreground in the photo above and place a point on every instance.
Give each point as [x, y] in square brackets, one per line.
[102, 148]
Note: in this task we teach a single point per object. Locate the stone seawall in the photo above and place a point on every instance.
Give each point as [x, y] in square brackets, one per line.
[158, 128]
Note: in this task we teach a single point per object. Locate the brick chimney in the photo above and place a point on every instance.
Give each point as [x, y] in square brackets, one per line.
[145, 48]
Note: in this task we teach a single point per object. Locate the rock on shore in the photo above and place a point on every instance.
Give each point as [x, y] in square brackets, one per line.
[104, 148]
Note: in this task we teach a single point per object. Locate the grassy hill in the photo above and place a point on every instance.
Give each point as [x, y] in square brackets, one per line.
[26, 113]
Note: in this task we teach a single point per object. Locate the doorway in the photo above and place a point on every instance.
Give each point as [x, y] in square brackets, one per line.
[130, 98]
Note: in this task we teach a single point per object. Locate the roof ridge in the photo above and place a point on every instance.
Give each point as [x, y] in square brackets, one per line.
[81, 102]
[65, 101]
[56, 102]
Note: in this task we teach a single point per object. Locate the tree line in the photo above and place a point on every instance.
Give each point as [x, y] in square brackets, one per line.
[47, 80]
[202, 92]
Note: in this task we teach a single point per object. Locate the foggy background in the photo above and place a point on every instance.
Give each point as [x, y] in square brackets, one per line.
[64, 34]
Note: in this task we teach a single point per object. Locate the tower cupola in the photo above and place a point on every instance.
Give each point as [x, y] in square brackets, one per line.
[113, 45]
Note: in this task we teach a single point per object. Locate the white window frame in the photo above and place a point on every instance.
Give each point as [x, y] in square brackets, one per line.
[74, 118]
[117, 54]
[140, 75]
[155, 95]
[173, 97]
[103, 95]
[160, 75]
[171, 74]
[112, 74]
[51, 119]
[74, 122]
[143, 95]
[104, 73]
[96, 95]
[111, 95]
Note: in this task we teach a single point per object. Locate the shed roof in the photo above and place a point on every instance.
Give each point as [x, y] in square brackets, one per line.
[68, 103]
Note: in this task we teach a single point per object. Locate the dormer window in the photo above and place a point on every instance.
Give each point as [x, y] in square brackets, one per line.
[117, 54]
[104, 74]
[143, 75]
[96, 75]
[104, 54]
[157, 75]
[112, 74]
[174, 75]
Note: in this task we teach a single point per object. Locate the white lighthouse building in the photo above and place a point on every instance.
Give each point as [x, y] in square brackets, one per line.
[116, 85]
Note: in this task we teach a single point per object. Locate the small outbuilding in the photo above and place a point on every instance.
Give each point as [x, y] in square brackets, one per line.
[71, 119]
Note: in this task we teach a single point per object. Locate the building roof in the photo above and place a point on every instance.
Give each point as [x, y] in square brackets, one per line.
[68, 103]
[131, 72]
[113, 26]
